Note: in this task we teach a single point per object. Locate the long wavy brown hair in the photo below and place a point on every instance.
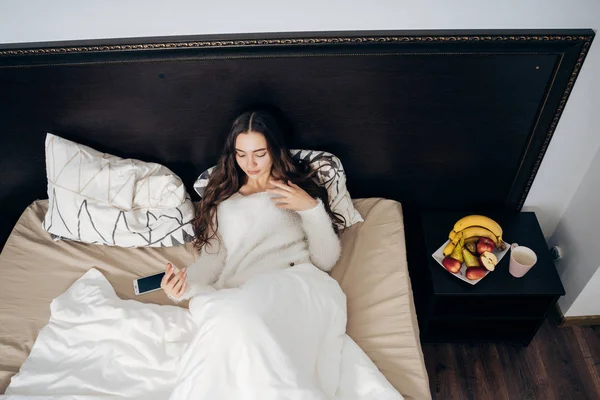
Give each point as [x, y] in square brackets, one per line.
[227, 178]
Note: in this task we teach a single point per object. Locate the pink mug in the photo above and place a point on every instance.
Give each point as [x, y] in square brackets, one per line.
[521, 260]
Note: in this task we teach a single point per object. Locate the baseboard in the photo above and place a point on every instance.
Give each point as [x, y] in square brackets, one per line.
[574, 321]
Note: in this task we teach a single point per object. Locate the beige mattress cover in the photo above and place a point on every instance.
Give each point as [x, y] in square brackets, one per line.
[372, 272]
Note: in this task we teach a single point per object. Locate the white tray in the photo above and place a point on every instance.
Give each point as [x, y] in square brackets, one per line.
[439, 256]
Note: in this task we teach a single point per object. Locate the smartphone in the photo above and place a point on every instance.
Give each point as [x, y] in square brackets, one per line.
[147, 284]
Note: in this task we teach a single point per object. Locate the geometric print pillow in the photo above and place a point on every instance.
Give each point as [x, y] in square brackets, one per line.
[330, 173]
[99, 198]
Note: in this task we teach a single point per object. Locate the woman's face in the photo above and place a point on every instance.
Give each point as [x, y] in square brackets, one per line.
[252, 155]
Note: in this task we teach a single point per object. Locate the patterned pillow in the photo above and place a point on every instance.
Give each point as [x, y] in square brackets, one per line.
[330, 174]
[103, 199]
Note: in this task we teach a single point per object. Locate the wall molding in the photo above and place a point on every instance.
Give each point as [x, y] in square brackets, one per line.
[575, 321]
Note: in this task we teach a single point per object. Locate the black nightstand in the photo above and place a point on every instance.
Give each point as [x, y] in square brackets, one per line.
[500, 308]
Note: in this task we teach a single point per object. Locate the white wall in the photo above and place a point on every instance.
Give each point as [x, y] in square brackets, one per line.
[588, 302]
[577, 235]
[576, 139]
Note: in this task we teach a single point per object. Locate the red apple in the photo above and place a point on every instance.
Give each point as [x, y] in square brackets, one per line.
[484, 244]
[451, 264]
[486, 239]
[488, 260]
[475, 273]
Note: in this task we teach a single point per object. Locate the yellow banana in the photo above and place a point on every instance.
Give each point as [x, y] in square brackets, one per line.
[456, 238]
[478, 220]
[449, 248]
[452, 234]
[480, 232]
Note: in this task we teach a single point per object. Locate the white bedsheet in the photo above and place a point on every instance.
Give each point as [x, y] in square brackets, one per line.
[280, 336]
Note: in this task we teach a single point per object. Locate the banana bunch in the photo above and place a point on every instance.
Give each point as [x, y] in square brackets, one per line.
[474, 226]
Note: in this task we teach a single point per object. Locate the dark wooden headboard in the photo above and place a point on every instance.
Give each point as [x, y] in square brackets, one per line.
[436, 120]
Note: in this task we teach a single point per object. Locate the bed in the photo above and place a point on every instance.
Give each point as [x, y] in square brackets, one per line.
[411, 114]
[34, 270]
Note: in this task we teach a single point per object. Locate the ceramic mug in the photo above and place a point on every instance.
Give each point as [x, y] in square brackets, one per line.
[521, 260]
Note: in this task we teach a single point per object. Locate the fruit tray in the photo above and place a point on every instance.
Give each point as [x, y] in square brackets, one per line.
[439, 256]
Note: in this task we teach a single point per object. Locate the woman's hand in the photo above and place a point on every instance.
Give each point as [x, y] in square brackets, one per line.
[173, 283]
[291, 197]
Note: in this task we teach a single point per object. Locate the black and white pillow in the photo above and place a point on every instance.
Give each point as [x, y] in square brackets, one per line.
[103, 199]
[330, 173]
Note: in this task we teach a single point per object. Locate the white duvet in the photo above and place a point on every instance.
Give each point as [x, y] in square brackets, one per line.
[280, 336]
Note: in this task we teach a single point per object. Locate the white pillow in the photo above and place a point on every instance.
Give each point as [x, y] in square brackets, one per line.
[330, 174]
[99, 198]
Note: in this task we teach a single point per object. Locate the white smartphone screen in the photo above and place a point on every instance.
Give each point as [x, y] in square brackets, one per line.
[149, 283]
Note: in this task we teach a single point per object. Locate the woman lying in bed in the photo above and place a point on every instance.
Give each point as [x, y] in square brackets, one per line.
[265, 228]
[260, 212]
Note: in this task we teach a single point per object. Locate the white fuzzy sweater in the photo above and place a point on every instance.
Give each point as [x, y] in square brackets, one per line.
[257, 237]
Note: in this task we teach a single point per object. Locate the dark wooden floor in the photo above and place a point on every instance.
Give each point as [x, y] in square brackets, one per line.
[560, 363]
